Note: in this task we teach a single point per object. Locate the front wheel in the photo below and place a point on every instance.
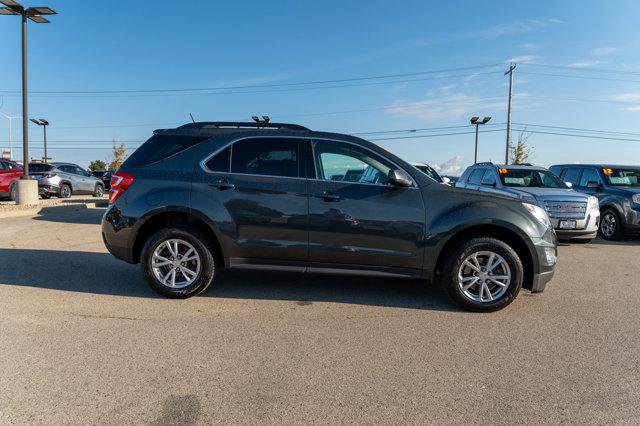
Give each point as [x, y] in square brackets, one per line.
[611, 226]
[178, 262]
[482, 275]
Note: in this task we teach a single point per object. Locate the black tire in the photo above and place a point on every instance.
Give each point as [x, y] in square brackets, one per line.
[454, 261]
[45, 196]
[581, 241]
[98, 191]
[13, 192]
[202, 246]
[615, 234]
[65, 191]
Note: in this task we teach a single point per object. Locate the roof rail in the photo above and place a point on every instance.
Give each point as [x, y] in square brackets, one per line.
[484, 163]
[242, 125]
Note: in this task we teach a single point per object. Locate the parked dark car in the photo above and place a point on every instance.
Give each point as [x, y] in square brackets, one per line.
[104, 176]
[206, 196]
[617, 189]
[10, 172]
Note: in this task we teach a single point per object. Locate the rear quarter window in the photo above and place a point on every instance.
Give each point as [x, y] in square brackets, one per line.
[159, 147]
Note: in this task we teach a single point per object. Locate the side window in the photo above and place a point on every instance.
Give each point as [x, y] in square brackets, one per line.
[349, 163]
[476, 176]
[66, 169]
[3, 166]
[266, 156]
[589, 175]
[489, 177]
[572, 175]
[220, 161]
[80, 171]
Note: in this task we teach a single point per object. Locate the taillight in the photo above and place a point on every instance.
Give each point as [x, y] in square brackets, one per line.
[120, 182]
[50, 175]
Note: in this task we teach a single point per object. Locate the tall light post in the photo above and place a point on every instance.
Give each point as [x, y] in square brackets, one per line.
[477, 122]
[27, 190]
[44, 123]
[10, 118]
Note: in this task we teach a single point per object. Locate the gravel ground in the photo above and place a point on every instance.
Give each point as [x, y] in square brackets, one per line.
[83, 340]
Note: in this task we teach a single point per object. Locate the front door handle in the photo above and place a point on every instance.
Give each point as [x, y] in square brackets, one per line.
[327, 196]
[222, 185]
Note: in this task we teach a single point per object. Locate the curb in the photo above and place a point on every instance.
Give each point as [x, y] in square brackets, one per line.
[55, 209]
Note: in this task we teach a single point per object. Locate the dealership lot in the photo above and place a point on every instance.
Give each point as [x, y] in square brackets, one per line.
[84, 340]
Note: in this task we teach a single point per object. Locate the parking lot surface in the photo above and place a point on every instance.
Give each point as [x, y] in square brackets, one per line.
[83, 340]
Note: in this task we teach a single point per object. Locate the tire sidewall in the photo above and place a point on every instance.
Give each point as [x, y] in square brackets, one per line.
[617, 233]
[13, 192]
[464, 250]
[62, 195]
[204, 249]
[99, 191]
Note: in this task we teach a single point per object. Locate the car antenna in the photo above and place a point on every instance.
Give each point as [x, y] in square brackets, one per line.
[192, 120]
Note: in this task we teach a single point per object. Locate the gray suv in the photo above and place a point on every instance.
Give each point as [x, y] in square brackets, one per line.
[574, 216]
[617, 189]
[65, 179]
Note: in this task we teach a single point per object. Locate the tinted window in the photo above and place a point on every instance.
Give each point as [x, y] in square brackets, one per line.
[429, 172]
[350, 163]
[572, 175]
[489, 177]
[266, 156]
[3, 165]
[220, 161]
[589, 175]
[39, 168]
[66, 169]
[530, 178]
[476, 176]
[159, 147]
[622, 177]
[79, 171]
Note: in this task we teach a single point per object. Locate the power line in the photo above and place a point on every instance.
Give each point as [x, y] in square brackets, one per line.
[580, 69]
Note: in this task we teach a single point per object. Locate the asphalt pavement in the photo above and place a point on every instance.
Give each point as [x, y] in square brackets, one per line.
[83, 340]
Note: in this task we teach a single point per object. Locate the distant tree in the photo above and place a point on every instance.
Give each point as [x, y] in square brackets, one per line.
[96, 165]
[520, 152]
[119, 154]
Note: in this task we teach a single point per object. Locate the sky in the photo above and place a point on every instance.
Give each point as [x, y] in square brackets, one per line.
[407, 75]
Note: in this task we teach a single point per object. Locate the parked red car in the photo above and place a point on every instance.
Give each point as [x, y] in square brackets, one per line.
[9, 173]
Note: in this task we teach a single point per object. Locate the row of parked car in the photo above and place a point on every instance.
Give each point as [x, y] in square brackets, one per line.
[54, 179]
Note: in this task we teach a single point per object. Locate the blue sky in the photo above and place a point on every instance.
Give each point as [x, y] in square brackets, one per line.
[161, 45]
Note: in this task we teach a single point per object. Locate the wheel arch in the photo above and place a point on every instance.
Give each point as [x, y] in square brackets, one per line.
[503, 233]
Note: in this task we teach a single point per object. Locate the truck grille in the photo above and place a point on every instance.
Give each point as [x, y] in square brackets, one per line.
[566, 209]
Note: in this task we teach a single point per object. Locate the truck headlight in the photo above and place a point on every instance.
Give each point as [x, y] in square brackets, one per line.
[593, 204]
[539, 213]
[635, 198]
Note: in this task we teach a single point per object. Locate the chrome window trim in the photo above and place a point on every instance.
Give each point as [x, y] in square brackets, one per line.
[203, 163]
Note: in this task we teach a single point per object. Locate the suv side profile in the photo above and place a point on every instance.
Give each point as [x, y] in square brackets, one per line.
[65, 179]
[617, 189]
[574, 216]
[268, 196]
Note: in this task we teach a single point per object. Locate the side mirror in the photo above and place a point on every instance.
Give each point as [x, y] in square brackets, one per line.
[399, 178]
[569, 184]
[446, 180]
[593, 184]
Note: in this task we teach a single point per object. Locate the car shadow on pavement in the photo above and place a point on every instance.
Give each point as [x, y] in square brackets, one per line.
[628, 241]
[79, 217]
[101, 273]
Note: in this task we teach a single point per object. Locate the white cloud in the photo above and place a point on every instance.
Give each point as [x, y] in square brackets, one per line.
[602, 51]
[447, 88]
[447, 107]
[523, 59]
[530, 46]
[584, 64]
[626, 97]
[451, 167]
[632, 109]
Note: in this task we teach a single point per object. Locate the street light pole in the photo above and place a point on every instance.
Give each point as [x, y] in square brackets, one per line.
[477, 122]
[44, 123]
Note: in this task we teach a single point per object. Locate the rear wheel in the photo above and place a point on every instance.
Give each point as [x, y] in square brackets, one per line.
[482, 275]
[98, 191]
[45, 196]
[611, 226]
[178, 262]
[13, 192]
[65, 191]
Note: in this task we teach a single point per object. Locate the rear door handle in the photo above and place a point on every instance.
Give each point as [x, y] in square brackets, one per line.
[327, 196]
[222, 185]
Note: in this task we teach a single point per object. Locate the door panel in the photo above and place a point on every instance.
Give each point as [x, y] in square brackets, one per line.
[352, 222]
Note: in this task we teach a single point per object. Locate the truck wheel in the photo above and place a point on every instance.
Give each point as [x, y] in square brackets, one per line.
[178, 262]
[482, 275]
[611, 226]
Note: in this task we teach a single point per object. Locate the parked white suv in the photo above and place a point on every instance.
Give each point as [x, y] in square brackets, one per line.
[64, 179]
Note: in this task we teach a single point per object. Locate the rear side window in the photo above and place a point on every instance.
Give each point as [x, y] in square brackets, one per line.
[266, 156]
[572, 175]
[160, 146]
[476, 176]
[220, 161]
[589, 175]
[489, 177]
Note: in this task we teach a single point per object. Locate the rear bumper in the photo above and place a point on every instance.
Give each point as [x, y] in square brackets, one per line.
[117, 234]
[48, 189]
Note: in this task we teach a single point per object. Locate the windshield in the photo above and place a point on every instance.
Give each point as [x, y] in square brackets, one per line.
[39, 168]
[429, 172]
[622, 177]
[530, 178]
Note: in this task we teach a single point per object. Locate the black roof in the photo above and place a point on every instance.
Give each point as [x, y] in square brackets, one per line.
[213, 128]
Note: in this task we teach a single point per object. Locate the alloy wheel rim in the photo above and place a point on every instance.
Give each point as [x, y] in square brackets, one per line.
[484, 276]
[608, 225]
[66, 192]
[175, 263]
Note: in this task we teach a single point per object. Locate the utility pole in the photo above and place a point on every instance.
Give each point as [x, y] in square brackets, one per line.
[512, 67]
